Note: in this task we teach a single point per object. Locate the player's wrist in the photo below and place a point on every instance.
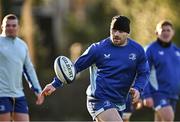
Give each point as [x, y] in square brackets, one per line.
[56, 83]
[140, 90]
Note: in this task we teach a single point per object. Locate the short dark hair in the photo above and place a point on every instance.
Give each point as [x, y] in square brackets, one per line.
[120, 22]
[164, 23]
[10, 16]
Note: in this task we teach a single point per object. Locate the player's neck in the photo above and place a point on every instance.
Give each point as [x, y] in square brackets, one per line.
[164, 44]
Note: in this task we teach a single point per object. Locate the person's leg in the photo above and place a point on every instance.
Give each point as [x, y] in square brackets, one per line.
[109, 115]
[104, 110]
[157, 117]
[21, 117]
[5, 117]
[166, 114]
[126, 116]
[20, 109]
[5, 109]
[163, 107]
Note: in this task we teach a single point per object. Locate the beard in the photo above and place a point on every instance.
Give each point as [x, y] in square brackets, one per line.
[119, 41]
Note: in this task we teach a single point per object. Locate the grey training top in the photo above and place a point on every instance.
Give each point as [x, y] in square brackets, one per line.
[14, 62]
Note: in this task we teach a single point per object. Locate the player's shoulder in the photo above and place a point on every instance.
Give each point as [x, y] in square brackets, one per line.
[151, 46]
[1, 38]
[100, 44]
[175, 46]
[135, 45]
[21, 42]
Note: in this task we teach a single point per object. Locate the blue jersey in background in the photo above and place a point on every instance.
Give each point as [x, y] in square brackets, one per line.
[165, 70]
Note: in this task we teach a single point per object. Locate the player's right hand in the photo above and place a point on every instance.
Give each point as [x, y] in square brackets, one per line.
[135, 95]
[48, 90]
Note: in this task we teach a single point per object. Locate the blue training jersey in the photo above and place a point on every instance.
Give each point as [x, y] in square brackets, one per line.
[165, 70]
[113, 69]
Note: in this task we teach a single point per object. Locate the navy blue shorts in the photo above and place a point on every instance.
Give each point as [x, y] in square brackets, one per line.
[95, 106]
[9, 104]
[161, 100]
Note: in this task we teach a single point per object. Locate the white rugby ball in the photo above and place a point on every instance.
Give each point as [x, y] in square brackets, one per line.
[64, 69]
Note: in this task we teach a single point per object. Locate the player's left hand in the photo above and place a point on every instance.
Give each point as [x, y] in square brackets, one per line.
[135, 95]
[138, 104]
[40, 99]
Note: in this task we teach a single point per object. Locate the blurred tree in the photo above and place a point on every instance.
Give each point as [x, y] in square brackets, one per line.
[27, 27]
[175, 5]
[145, 14]
[11, 6]
[94, 24]
[5, 7]
[0, 12]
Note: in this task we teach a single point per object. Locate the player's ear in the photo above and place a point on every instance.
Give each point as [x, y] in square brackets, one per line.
[156, 32]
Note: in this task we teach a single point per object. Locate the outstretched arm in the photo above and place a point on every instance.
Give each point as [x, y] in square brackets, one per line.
[51, 87]
[83, 62]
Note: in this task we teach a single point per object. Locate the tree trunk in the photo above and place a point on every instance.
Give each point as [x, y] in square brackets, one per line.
[27, 29]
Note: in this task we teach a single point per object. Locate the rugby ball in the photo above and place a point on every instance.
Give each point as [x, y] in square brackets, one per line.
[64, 69]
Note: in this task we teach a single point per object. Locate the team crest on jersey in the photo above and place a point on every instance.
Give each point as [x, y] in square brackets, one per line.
[2, 107]
[163, 102]
[107, 56]
[161, 52]
[132, 56]
[178, 53]
[107, 103]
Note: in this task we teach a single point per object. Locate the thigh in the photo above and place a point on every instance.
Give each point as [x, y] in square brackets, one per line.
[109, 115]
[166, 113]
[21, 117]
[5, 108]
[163, 107]
[96, 107]
[5, 117]
[20, 112]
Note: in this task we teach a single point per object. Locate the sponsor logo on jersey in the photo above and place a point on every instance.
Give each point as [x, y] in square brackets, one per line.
[132, 56]
[2, 107]
[178, 53]
[163, 102]
[106, 56]
[161, 52]
[107, 103]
